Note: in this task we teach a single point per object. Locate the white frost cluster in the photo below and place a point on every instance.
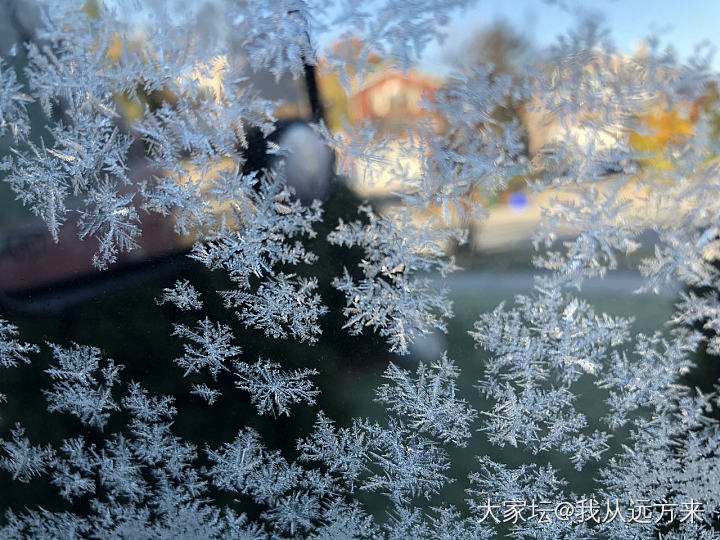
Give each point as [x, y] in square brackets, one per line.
[394, 297]
[658, 441]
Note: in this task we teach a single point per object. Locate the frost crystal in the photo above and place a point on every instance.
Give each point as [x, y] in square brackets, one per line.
[183, 295]
[13, 351]
[13, 104]
[541, 348]
[210, 395]
[23, 460]
[429, 401]
[283, 305]
[82, 386]
[272, 390]
[214, 347]
[390, 297]
[342, 450]
[263, 224]
[259, 239]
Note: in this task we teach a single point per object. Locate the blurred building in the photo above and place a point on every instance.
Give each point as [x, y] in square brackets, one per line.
[394, 101]
[395, 104]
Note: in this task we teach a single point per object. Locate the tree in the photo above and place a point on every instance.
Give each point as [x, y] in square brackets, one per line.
[126, 473]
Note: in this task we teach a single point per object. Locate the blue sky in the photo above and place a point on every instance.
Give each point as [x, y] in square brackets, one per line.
[680, 23]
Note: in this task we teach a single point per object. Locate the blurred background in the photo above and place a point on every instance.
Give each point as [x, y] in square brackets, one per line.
[53, 294]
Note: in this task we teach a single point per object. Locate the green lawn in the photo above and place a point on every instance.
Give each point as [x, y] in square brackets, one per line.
[650, 314]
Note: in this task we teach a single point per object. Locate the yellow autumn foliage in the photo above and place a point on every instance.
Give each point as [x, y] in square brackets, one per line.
[660, 129]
